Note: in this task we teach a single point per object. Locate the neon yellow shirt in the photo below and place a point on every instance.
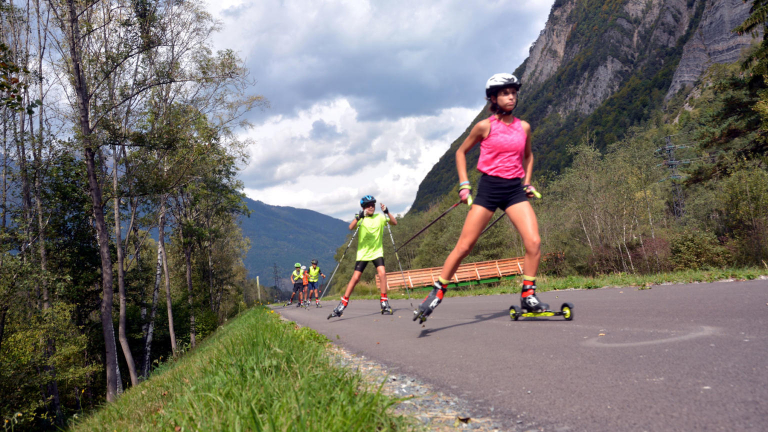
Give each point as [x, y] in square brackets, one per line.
[370, 237]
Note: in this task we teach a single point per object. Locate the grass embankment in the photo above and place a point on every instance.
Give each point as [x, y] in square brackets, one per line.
[255, 373]
[548, 283]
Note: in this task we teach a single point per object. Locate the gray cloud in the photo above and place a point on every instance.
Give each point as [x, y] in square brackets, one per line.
[394, 59]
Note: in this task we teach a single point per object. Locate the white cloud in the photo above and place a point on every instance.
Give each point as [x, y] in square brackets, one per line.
[386, 158]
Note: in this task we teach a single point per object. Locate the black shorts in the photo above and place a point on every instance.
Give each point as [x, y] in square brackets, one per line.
[360, 265]
[298, 287]
[496, 192]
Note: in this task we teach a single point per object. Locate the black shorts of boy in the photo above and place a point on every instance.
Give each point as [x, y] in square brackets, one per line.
[497, 192]
[298, 287]
[360, 265]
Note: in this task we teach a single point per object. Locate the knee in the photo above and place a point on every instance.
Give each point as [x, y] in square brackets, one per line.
[463, 249]
[533, 245]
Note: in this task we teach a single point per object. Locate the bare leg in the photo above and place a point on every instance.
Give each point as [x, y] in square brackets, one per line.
[352, 282]
[524, 220]
[383, 277]
[476, 221]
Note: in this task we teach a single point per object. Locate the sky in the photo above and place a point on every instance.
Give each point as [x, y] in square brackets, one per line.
[365, 96]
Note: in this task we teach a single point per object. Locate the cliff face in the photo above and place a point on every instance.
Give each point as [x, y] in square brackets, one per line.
[636, 28]
[713, 42]
[547, 53]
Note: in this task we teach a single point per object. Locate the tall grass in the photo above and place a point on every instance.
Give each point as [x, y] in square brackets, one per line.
[256, 373]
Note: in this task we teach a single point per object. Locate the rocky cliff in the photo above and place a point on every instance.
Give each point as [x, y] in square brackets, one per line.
[713, 42]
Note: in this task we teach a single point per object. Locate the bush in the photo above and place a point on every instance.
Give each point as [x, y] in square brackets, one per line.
[696, 249]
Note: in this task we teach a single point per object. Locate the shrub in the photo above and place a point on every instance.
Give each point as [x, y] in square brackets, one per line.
[696, 250]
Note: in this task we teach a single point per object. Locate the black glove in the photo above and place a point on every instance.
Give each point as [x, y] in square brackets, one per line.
[384, 209]
[360, 215]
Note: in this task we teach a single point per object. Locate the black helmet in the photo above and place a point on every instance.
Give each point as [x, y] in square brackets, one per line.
[500, 81]
[314, 262]
[367, 200]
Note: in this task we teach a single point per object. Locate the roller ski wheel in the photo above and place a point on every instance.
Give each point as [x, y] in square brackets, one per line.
[318, 305]
[337, 311]
[386, 309]
[566, 311]
[419, 315]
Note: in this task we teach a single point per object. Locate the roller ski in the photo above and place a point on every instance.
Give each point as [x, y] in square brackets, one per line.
[337, 311]
[318, 305]
[386, 309]
[429, 304]
[532, 307]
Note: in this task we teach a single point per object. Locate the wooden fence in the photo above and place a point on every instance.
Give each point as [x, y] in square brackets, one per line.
[467, 274]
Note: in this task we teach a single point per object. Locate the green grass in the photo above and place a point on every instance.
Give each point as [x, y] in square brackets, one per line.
[548, 283]
[256, 373]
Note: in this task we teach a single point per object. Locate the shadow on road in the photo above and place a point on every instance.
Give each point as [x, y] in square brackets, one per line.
[478, 318]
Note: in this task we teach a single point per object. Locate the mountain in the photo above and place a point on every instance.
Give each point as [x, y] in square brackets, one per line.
[286, 235]
[600, 67]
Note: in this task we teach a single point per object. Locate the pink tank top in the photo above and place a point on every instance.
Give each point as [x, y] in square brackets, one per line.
[502, 151]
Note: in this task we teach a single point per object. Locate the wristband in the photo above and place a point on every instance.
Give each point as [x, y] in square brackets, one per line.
[464, 183]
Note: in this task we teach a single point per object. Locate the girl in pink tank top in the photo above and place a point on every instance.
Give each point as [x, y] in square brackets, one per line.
[506, 162]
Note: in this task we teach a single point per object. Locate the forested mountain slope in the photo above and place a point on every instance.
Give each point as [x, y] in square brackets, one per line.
[601, 67]
[286, 235]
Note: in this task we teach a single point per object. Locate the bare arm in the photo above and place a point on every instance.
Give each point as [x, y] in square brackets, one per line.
[528, 155]
[478, 133]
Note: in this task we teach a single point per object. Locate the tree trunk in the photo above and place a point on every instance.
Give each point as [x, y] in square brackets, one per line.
[210, 280]
[72, 29]
[151, 326]
[188, 260]
[121, 275]
[168, 301]
[3, 312]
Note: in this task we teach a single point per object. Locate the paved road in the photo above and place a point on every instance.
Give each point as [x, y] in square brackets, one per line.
[670, 358]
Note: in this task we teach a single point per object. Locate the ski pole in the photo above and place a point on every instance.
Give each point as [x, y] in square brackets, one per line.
[402, 273]
[469, 203]
[337, 265]
[535, 193]
[492, 223]
[428, 225]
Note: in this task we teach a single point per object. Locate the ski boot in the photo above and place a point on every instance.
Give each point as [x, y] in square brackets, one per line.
[430, 303]
[299, 304]
[529, 302]
[385, 308]
[290, 302]
[337, 311]
[318, 305]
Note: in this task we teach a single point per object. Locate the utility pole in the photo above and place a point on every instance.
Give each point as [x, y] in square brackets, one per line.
[672, 163]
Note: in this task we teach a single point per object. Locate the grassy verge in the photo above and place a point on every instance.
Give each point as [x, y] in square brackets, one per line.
[256, 373]
[548, 283]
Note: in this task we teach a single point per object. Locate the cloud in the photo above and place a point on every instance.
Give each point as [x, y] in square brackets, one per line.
[390, 59]
[350, 158]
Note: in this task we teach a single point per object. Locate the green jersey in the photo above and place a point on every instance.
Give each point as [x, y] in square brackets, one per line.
[370, 237]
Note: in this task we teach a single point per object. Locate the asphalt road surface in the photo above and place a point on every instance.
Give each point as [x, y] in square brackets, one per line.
[670, 358]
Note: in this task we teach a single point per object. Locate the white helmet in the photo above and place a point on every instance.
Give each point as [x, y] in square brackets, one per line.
[303, 267]
[500, 81]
